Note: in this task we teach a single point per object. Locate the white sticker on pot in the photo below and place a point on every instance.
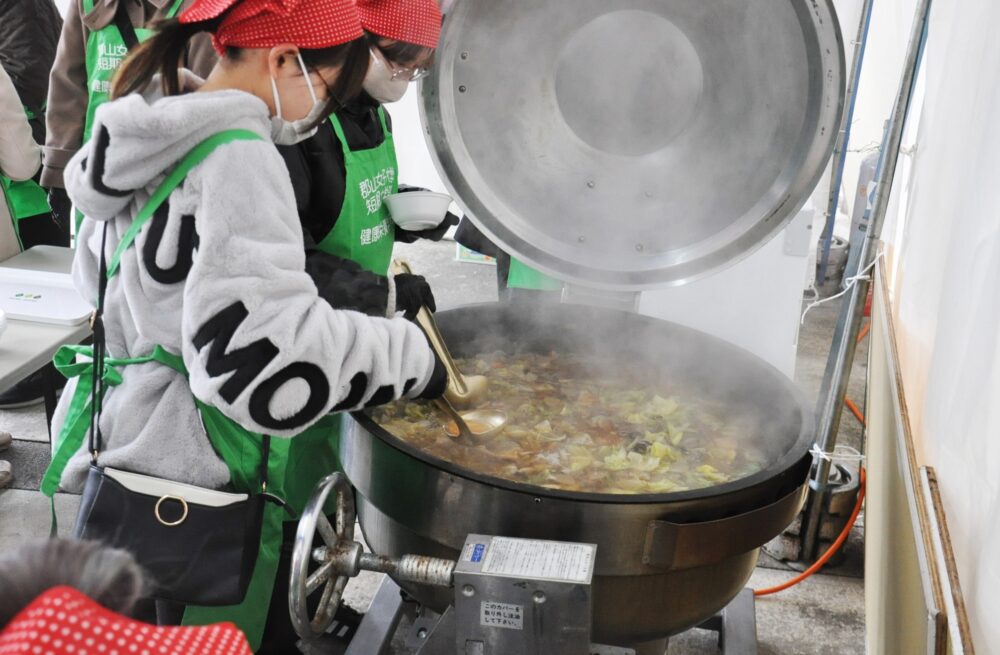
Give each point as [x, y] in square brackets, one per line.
[501, 615]
[530, 558]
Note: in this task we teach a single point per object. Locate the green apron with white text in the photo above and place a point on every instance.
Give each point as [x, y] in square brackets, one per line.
[106, 50]
[295, 465]
[364, 231]
[24, 197]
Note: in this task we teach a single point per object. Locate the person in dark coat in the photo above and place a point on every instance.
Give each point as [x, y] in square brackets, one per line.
[29, 34]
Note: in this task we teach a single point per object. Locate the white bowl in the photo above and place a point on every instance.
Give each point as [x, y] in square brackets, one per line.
[418, 210]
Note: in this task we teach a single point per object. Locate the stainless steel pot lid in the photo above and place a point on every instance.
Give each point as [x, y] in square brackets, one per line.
[637, 143]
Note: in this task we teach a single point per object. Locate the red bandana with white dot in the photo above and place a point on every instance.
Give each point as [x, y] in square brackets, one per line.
[413, 21]
[63, 621]
[312, 24]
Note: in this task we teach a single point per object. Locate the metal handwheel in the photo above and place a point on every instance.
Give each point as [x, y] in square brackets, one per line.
[341, 558]
[333, 559]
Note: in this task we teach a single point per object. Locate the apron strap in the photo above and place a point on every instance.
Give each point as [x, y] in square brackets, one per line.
[385, 125]
[78, 362]
[174, 9]
[338, 129]
[197, 155]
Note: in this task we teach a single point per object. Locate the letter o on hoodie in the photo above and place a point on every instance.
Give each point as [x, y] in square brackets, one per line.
[319, 395]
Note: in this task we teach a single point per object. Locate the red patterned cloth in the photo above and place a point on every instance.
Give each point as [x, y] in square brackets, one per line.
[310, 24]
[412, 21]
[63, 621]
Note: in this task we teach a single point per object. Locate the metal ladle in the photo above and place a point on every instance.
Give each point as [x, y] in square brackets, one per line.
[462, 391]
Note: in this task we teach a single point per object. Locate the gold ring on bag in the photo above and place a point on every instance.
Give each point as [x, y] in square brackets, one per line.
[171, 524]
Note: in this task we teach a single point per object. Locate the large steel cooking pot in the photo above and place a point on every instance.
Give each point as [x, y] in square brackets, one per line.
[664, 562]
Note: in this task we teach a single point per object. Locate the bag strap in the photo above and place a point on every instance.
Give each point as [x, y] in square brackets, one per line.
[124, 25]
[105, 272]
[97, 371]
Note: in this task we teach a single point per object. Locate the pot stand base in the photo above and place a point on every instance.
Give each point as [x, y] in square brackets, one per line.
[429, 633]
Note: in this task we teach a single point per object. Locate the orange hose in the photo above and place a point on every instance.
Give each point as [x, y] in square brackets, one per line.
[854, 410]
[834, 547]
[864, 331]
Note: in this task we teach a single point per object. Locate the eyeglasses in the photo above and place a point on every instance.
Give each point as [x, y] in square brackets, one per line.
[410, 74]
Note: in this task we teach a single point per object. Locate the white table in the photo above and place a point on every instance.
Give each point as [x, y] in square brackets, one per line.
[26, 346]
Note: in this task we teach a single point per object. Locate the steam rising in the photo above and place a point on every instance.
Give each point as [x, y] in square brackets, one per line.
[647, 352]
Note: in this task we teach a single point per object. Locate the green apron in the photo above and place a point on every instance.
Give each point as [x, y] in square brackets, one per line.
[364, 231]
[105, 52]
[294, 467]
[522, 276]
[24, 197]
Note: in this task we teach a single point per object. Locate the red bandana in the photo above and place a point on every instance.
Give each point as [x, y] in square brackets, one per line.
[412, 21]
[63, 621]
[310, 24]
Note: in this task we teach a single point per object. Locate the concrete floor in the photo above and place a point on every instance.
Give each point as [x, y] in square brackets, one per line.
[821, 616]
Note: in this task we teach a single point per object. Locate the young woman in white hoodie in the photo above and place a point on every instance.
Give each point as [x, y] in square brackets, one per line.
[210, 294]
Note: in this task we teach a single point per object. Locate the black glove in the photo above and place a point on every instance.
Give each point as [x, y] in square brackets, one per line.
[438, 383]
[432, 234]
[62, 207]
[412, 293]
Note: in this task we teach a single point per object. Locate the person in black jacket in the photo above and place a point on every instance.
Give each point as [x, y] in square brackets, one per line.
[342, 174]
[29, 34]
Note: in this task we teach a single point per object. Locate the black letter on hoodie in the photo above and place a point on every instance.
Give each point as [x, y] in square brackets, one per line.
[101, 143]
[319, 394]
[247, 362]
[187, 241]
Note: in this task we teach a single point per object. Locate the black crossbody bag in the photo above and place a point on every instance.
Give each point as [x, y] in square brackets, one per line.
[197, 546]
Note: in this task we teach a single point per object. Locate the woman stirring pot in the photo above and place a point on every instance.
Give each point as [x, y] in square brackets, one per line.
[217, 336]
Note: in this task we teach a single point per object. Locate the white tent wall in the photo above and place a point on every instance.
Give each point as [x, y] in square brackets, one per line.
[943, 257]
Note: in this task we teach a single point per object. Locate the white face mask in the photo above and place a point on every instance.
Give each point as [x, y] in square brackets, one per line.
[379, 83]
[287, 133]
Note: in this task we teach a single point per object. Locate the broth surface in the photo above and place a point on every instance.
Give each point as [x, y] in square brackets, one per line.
[575, 425]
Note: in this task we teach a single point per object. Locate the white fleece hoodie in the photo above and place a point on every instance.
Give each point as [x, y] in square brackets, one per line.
[218, 277]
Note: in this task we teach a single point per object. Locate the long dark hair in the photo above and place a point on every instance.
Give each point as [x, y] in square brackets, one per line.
[164, 53]
[107, 576]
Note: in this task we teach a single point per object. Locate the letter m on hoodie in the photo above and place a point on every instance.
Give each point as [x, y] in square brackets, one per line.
[245, 364]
